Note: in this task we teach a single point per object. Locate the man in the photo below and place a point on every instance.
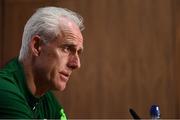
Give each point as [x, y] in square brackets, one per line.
[51, 45]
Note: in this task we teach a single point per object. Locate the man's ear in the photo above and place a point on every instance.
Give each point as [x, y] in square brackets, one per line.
[36, 45]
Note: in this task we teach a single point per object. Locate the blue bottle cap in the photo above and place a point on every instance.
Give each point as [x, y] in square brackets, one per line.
[155, 111]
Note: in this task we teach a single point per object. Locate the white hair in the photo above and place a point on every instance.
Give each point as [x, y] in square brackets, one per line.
[45, 23]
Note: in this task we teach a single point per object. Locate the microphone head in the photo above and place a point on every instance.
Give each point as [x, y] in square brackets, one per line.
[134, 114]
[155, 111]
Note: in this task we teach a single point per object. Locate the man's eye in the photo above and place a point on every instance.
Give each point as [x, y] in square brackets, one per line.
[66, 49]
[70, 49]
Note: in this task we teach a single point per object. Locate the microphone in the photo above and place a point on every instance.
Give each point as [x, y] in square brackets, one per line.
[134, 114]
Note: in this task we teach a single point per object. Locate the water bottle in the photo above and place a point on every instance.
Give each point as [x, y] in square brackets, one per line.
[155, 112]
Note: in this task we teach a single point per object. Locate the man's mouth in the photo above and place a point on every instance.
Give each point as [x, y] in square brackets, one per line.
[64, 76]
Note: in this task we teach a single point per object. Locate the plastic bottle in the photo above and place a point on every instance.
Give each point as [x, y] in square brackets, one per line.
[155, 112]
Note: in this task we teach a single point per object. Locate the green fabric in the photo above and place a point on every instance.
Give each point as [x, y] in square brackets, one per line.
[63, 115]
[17, 102]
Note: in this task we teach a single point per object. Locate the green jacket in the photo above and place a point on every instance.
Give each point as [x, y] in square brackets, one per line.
[17, 102]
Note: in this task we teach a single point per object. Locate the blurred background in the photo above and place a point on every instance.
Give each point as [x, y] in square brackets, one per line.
[131, 57]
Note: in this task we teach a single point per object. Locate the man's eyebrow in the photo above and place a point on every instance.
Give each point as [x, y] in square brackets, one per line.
[71, 44]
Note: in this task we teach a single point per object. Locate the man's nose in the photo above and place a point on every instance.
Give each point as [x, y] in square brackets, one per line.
[74, 62]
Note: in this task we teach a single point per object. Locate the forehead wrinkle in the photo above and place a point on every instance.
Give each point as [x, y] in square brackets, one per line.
[69, 40]
[70, 33]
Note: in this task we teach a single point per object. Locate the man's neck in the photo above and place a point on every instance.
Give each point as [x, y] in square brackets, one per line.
[33, 84]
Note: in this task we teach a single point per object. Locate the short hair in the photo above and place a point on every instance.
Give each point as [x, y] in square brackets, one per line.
[45, 22]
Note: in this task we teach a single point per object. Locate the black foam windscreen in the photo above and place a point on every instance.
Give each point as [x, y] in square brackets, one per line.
[134, 114]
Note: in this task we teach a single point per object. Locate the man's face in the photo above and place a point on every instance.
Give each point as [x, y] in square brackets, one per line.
[59, 57]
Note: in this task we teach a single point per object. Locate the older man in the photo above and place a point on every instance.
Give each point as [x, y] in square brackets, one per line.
[51, 44]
